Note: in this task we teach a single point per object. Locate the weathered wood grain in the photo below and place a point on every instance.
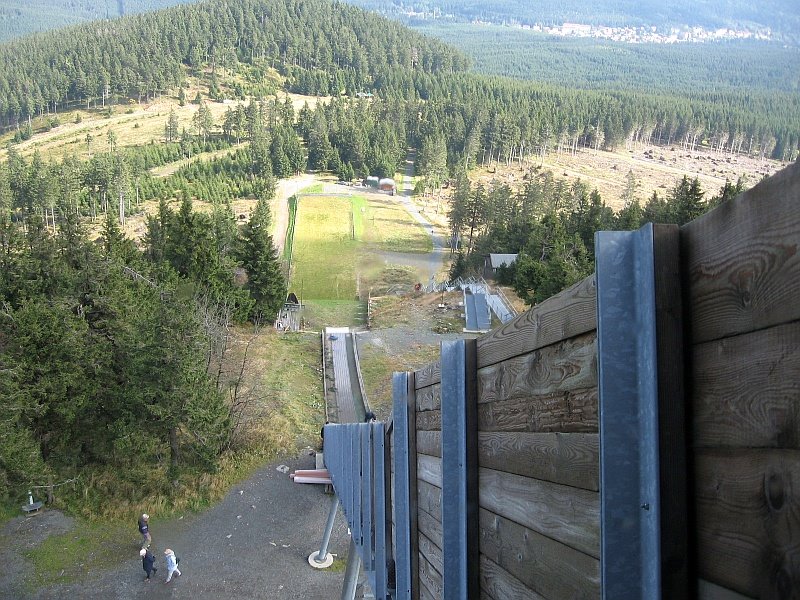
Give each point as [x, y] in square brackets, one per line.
[429, 398]
[429, 468]
[431, 551]
[429, 375]
[429, 442]
[566, 315]
[430, 420]
[746, 390]
[431, 526]
[429, 577]
[567, 458]
[567, 412]
[741, 263]
[540, 563]
[565, 366]
[499, 584]
[748, 520]
[426, 594]
[430, 499]
[566, 514]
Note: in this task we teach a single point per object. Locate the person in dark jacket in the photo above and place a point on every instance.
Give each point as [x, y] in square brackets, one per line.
[148, 563]
[144, 529]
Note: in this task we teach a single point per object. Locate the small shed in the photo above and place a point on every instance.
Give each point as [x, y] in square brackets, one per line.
[372, 181]
[494, 261]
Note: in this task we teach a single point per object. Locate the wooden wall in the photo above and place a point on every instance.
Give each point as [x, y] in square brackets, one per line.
[538, 456]
[538, 422]
[741, 269]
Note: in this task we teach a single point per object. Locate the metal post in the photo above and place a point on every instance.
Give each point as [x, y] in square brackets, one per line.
[327, 559]
[351, 573]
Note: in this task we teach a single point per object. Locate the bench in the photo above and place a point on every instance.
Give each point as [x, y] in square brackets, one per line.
[32, 507]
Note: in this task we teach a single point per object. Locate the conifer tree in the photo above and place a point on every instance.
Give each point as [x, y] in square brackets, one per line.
[259, 257]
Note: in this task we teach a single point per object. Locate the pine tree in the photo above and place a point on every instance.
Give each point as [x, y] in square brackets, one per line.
[259, 257]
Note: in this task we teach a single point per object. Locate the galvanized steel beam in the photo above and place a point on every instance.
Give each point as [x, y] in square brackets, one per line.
[460, 543]
[642, 444]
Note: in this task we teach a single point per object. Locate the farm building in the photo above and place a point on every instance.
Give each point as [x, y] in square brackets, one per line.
[371, 181]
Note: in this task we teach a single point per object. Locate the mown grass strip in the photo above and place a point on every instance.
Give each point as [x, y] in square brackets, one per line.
[324, 253]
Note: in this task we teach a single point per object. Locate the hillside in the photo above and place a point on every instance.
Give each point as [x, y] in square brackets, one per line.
[186, 124]
[19, 18]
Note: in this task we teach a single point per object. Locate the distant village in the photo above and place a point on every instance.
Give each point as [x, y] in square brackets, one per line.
[650, 35]
[631, 35]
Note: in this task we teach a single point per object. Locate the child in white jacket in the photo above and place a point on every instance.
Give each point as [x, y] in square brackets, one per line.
[172, 565]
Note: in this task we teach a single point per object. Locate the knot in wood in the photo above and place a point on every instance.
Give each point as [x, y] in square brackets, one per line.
[774, 491]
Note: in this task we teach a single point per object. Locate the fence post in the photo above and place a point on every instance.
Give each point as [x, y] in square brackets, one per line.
[460, 577]
[404, 455]
[643, 473]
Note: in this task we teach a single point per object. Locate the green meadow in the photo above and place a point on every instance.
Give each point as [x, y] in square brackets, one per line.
[339, 246]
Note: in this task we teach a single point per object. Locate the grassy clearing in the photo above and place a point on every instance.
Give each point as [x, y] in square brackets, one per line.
[325, 252]
[319, 314]
[338, 245]
[71, 556]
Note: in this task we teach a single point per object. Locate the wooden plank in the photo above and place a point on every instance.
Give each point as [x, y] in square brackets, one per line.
[429, 468]
[567, 365]
[711, 591]
[430, 420]
[430, 551]
[566, 514]
[567, 412]
[428, 375]
[748, 520]
[431, 526]
[430, 499]
[429, 442]
[429, 398]
[741, 260]
[425, 593]
[499, 584]
[567, 458]
[745, 390]
[568, 314]
[430, 577]
[540, 563]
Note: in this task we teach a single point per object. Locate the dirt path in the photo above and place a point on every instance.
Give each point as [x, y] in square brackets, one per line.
[253, 544]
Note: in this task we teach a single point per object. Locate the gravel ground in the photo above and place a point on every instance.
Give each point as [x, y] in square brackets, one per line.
[253, 544]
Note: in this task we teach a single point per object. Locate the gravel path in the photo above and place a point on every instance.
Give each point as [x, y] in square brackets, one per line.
[253, 544]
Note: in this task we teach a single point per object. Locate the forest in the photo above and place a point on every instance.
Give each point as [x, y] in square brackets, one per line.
[691, 70]
[551, 226]
[100, 336]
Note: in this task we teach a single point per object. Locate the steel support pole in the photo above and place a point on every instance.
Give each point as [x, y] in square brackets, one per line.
[351, 573]
[321, 559]
[323, 549]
